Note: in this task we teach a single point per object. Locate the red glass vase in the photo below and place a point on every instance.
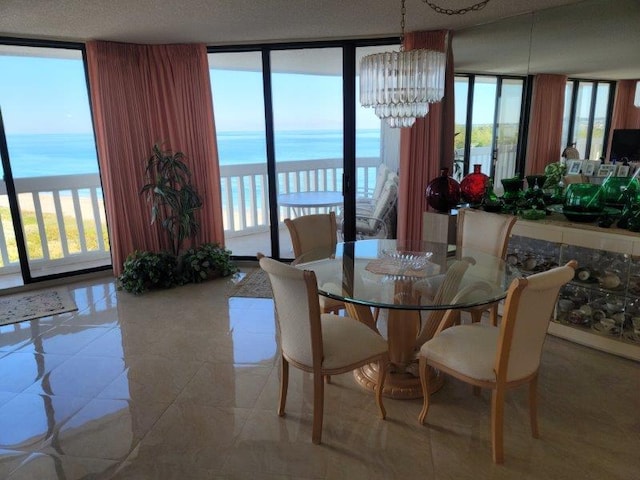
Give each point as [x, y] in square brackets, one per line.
[443, 192]
[473, 186]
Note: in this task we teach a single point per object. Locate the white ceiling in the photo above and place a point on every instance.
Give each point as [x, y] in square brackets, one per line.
[582, 38]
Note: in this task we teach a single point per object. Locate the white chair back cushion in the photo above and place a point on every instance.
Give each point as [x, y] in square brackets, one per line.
[381, 178]
[386, 201]
[534, 312]
[316, 234]
[484, 231]
[292, 309]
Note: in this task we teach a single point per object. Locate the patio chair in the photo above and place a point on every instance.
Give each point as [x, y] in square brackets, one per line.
[321, 344]
[378, 220]
[382, 174]
[503, 357]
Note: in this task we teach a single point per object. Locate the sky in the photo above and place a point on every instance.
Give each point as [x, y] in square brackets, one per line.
[49, 95]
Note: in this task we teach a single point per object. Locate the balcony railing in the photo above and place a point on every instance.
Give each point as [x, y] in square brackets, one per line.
[245, 195]
[63, 220]
[63, 216]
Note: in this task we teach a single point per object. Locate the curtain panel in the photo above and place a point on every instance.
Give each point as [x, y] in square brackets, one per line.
[545, 126]
[141, 95]
[625, 114]
[427, 145]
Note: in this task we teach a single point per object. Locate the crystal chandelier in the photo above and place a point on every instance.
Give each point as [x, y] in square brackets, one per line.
[401, 85]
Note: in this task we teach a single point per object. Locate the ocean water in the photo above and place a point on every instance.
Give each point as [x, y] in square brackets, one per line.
[64, 154]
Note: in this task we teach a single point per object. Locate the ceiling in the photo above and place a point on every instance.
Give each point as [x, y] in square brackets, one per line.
[582, 38]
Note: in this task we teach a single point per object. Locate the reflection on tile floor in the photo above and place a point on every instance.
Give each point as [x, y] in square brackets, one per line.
[183, 384]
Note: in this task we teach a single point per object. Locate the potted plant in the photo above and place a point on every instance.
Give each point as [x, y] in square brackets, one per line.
[143, 270]
[208, 260]
[174, 201]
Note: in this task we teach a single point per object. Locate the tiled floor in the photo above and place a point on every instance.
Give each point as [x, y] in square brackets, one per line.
[183, 384]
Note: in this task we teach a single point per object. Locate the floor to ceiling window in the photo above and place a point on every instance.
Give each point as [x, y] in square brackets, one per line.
[587, 112]
[238, 102]
[51, 183]
[308, 133]
[488, 125]
[285, 147]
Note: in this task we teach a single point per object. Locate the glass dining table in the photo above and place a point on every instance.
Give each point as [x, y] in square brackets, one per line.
[416, 288]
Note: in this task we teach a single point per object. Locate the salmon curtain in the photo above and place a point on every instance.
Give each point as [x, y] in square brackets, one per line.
[141, 95]
[545, 125]
[625, 114]
[427, 145]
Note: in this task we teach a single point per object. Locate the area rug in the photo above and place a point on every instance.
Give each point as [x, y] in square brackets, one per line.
[254, 284]
[35, 304]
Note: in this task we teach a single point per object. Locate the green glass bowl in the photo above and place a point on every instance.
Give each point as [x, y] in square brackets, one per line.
[583, 198]
[613, 190]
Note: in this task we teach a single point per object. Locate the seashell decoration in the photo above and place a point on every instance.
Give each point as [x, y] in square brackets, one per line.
[610, 281]
[530, 263]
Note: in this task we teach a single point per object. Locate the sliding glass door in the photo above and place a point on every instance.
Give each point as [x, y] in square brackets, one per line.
[488, 121]
[238, 105]
[291, 135]
[308, 134]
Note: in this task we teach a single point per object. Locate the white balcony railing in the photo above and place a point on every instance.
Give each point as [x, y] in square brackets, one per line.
[245, 195]
[63, 220]
[65, 223]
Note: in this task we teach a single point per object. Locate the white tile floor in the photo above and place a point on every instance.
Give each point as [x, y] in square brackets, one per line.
[183, 384]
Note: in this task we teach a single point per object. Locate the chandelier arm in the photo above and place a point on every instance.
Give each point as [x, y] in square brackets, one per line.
[460, 11]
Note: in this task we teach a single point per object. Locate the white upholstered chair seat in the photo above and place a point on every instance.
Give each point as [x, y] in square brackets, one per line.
[340, 349]
[468, 349]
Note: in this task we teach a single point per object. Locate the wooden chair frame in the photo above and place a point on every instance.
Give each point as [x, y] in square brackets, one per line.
[500, 385]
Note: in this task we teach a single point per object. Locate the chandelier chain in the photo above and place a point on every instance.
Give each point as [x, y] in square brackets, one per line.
[460, 11]
[403, 12]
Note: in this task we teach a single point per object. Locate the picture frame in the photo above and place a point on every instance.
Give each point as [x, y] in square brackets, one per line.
[574, 167]
[589, 168]
[623, 171]
[607, 169]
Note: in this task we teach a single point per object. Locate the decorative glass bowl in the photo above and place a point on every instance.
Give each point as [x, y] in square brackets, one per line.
[583, 198]
[614, 188]
[408, 260]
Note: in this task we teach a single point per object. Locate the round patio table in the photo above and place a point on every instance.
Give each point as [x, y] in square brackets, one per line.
[302, 202]
[420, 288]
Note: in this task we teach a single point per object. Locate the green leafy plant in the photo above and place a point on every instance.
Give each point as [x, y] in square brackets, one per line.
[206, 261]
[174, 201]
[143, 270]
[554, 172]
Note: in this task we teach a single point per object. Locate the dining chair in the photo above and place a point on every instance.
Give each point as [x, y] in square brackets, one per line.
[487, 233]
[314, 237]
[321, 344]
[499, 357]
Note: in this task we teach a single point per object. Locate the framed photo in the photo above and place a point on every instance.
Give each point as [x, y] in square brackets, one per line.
[574, 167]
[606, 170]
[589, 168]
[623, 171]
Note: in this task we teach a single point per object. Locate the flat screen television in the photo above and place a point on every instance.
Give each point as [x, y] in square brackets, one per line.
[625, 143]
